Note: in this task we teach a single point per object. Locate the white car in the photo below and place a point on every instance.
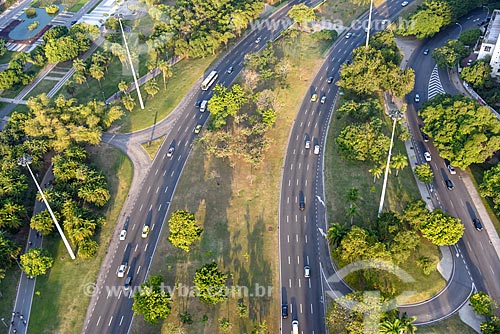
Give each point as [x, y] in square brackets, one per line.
[122, 269]
[257, 41]
[123, 234]
[417, 98]
[170, 152]
[316, 149]
[452, 170]
[307, 272]
[323, 99]
[427, 156]
[404, 4]
[348, 35]
[308, 144]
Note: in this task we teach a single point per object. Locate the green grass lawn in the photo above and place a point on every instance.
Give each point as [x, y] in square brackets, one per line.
[476, 172]
[237, 206]
[7, 56]
[43, 86]
[342, 175]
[60, 304]
[451, 325]
[76, 6]
[8, 290]
[153, 147]
[186, 73]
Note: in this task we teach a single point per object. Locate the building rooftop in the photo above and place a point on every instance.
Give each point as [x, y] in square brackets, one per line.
[493, 29]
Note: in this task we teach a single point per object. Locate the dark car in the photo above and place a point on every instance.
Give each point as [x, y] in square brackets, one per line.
[329, 80]
[426, 51]
[425, 137]
[198, 104]
[449, 184]
[284, 311]
[302, 201]
[477, 224]
[128, 281]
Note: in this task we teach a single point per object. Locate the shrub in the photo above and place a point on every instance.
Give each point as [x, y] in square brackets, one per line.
[33, 26]
[427, 264]
[30, 12]
[52, 9]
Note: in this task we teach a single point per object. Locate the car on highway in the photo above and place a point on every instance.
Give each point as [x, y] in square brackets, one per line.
[477, 224]
[295, 327]
[425, 137]
[123, 234]
[302, 201]
[449, 184]
[122, 269]
[348, 35]
[426, 52]
[452, 170]
[307, 272]
[284, 311]
[230, 70]
[145, 231]
[257, 41]
[197, 129]
[128, 282]
[329, 80]
[316, 149]
[170, 152]
[417, 98]
[314, 97]
[323, 99]
[203, 105]
[307, 143]
[427, 156]
[198, 104]
[404, 4]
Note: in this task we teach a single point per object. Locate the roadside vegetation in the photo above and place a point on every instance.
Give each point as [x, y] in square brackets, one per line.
[231, 185]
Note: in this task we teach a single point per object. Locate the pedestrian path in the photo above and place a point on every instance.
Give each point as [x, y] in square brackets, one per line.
[435, 86]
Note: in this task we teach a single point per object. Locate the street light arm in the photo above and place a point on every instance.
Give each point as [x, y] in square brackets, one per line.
[59, 229]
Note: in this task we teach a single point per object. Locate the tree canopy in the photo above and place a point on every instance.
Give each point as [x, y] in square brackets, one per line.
[302, 14]
[424, 173]
[36, 262]
[442, 229]
[210, 284]
[490, 187]
[477, 74]
[463, 131]
[224, 103]
[184, 230]
[483, 304]
[152, 301]
[448, 55]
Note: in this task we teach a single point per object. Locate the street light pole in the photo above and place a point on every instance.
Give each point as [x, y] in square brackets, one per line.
[395, 116]
[369, 24]
[131, 65]
[460, 28]
[25, 160]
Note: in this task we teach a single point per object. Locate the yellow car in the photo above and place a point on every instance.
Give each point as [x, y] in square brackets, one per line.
[197, 129]
[314, 97]
[145, 231]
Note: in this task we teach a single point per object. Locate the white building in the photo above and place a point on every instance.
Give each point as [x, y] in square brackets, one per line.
[491, 44]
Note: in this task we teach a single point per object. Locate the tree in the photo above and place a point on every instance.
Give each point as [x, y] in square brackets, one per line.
[42, 222]
[478, 74]
[183, 230]
[377, 171]
[360, 110]
[442, 229]
[11, 215]
[225, 325]
[225, 103]
[424, 173]
[36, 262]
[483, 304]
[363, 141]
[87, 248]
[79, 66]
[491, 327]
[123, 86]
[9, 251]
[490, 187]
[152, 88]
[302, 14]
[61, 49]
[96, 72]
[398, 162]
[336, 232]
[470, 37]
[394, 323]
[463, 131]
[448, 55]
[210, 284]
[3, 46]
[166, 71]
[428, 20]
[416, 213]
[152, 301]
[242, 310]
[128, 102]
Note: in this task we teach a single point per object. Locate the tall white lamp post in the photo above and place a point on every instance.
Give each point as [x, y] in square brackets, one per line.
[25, 160]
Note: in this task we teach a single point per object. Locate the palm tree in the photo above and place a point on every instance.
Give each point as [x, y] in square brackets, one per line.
[398, 162]
[79, 65]
[152, 88]
[96, 72]
[352, 196]
[123, 86]
[80, 78]
[335, 234]
[166, 71]
[395, 323]
[128, 102]
[377, 172]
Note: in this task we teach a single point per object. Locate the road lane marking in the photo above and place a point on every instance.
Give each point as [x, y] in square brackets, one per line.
[288, 238]
[312, 312]
[316, 125]
[310, 285]
[149, 189]
[289, 260]
[140, 209]
[306, 183]
[121, 320]
[288, 200]
[291, 167]
[301, 123]
[307, 258]
[98, 321]
[297, 138]
[166, 188]
[158, 210]
[172, 175]
[492, 270]
[297, 182]
[297, 238]
[165, 172]
[146, 247]
[290, 282]
[306, 238]
[150, 207]
[120, 294]
[305, 219]
[137, 245]
[156, 171]
[157, 189]
[307, 167]
[138, 269]
[111, 319]
[293, 151]
[287, 219]
[309, 124]
[296, 218]
[300, 307]
[300, 164]
[299, 283]
[298, 259]
[289, 182]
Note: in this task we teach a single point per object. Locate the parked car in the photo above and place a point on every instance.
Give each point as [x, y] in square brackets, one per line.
[425, 137]
[477, 224]
[427, 156]
[452, 169]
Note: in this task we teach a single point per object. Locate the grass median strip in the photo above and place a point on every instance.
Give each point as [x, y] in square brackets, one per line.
[59, 295]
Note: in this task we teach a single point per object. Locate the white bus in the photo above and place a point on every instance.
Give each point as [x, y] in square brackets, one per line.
[209, 81]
